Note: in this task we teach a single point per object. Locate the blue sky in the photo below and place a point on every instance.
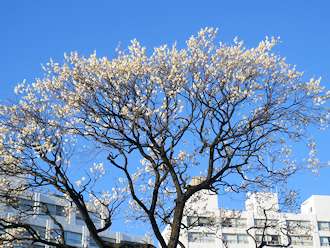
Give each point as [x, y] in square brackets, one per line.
[31, 32]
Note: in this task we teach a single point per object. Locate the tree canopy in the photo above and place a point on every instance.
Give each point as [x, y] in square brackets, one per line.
[227, 113]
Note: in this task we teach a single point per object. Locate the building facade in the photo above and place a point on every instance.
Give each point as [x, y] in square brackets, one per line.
[260, 221]
[75, 232]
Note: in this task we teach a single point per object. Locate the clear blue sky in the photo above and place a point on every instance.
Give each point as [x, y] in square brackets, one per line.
[33, 31]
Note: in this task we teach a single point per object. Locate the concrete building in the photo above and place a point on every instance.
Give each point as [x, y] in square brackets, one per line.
[75, 232]
[211, 226]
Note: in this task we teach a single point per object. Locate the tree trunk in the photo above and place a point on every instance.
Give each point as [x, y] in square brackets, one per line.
[176, 225]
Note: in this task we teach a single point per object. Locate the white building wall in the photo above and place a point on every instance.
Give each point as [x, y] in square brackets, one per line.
[314, 210]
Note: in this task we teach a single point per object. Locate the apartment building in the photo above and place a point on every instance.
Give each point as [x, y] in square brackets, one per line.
[75, 232]
[260, 221]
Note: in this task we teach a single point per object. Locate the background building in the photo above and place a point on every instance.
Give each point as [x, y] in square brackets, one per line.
[209, 226]
[75, 232]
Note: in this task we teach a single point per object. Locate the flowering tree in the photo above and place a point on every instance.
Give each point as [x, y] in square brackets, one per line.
[223, 112]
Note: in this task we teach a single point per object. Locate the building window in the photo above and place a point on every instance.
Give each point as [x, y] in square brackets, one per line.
[229, 238]
[268, 239]
[79, 218]
[93, 244]
[55, 234]
[235, 238]
[109, 240]
[234, 222]
[298, 224]
[302, 240]
[242, 238]
[325, 241]
[28, 234]
[199, 237]
[94, 217]
[263, 223]
[52, 209]
[200, 221]
[323, 225]
[41, 231]
[273, 240]
[72, 238]
[25, 205]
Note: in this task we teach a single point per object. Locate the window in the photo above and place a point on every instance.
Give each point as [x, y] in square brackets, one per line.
[242, 239]
[268, 239]
[302, 240]
[200, 221]
[259, 222]
[109, 240]
[41, 231]
[273, 239]
[72, 238]
[59, 210]
[241, 222]
[19, 244]
[53, 209]
[25, 204]
[264, 222]
[204, 221]
[323, 225]
[79, 217]
[234, 222]
[235, 238]
[55, 234]
[298, 223]
[92, 243]
[298, 226]
[325, 241]
[199, 237]
[94, 217]
[229, 238]
[27, 233]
